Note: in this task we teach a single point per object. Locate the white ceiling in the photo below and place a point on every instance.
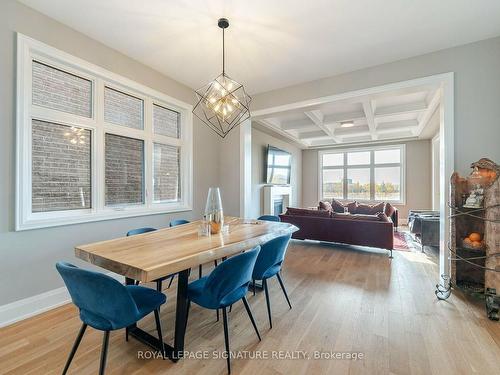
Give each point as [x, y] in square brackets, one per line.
[402, 114]
[273, 44]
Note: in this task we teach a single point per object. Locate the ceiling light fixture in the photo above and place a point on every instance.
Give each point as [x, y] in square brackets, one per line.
[347, 124]
[222, 104]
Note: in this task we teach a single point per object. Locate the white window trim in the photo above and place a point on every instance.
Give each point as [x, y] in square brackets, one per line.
[371, 166]
[29, 49]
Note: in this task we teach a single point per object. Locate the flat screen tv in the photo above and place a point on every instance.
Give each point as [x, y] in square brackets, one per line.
[278, 166]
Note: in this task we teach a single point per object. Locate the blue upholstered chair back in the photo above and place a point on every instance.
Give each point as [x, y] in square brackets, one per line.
[100, 298]
[174, 223]
[269, 218]
[272, 254]
[133, 232]
[230, 276]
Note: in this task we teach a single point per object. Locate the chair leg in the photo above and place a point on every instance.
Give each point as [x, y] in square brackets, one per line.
[215, 263]
[266, 291]
[187, 314]
[159, 285]
[104, 352]
[170, 283]
[284, 290]
[226, 339]
[217, 314]
[160, 335]
[230, 307]
[253, 286]
[200, 270]
[247, 307]
[75, 347]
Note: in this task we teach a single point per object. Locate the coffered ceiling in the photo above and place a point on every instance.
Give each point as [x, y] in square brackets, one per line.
[278, 43]
[404, 114]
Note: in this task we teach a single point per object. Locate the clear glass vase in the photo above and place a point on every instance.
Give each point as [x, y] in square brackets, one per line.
[213, 210]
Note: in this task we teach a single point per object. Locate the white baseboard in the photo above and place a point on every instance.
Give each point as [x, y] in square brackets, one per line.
[26, 308]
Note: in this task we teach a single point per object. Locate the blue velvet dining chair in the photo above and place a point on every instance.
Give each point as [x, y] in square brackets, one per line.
[159, 282]
[107, 305]
[174, 223]
[227, 284]
[269, 218]
[268, 264]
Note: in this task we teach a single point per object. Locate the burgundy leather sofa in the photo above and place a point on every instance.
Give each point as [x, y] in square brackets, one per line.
[362, 230]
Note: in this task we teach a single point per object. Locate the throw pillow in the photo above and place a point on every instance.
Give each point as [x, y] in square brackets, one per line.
[324, 205]
[337, 206]
[352, 207]
[305, 212]
[389, 209]
[383, 217]
[367, 209]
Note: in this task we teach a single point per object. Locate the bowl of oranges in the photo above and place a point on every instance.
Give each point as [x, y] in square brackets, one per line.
[473, 241]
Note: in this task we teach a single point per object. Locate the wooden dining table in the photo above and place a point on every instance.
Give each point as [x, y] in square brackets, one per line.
[150, 256]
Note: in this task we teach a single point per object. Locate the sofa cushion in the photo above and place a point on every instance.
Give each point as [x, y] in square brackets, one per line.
[370, 209]
[337, 206]
[389, 209]
[325, 205]
[363, 217]
[306, 212]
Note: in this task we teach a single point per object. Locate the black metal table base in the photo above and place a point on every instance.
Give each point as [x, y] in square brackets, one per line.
[176, 351]
[153, 342]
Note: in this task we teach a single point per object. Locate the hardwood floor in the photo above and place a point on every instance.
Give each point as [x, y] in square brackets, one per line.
[344, 300]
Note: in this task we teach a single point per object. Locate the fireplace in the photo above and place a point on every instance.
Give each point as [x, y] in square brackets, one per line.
[278, 206]
[276, 199]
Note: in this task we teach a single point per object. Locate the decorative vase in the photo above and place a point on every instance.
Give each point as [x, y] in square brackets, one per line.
[213, 210]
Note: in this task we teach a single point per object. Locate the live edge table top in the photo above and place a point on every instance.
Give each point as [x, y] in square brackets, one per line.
[153, 255]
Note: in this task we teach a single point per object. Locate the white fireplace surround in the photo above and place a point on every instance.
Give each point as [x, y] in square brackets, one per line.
[273, 193]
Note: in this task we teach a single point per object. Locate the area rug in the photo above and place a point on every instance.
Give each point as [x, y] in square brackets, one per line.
[403, 241]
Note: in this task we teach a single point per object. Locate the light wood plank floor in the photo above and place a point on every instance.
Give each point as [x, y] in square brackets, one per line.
[344, 300]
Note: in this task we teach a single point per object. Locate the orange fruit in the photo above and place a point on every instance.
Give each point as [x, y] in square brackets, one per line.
[467, 241]
[476, 244]
[475, 236]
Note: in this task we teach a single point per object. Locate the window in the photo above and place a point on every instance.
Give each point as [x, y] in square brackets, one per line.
[124, 170]
[60, 167]
[369, 174]
[92, 145]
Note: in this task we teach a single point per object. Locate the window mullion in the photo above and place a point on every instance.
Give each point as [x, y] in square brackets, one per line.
[98, 183]
[148, 152]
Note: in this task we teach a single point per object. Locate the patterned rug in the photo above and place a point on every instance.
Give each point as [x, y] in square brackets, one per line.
[403, 241]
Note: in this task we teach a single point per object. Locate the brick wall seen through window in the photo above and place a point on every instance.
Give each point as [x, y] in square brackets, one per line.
[61, 169]
[124, 170]
[166, 177]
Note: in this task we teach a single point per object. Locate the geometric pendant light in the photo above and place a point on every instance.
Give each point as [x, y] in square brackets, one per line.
[223, 103]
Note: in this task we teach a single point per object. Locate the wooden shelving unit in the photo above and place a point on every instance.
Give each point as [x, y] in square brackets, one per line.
[475, 270]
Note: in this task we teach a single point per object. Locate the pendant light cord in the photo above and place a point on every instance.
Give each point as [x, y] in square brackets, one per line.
[223, 53]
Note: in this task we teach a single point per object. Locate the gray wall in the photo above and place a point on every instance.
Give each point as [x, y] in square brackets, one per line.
[477, 93]
[418, 177]
[27, 258]
[260, 140]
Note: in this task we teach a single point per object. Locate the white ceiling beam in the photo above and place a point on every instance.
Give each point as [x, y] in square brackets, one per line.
[313, 134]
[431, 108]
[370, 119]
[405, 129]
[297, 124]
[397, 124]
[318, 118]
[274, 125]
[341, 117]
[400, 109]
